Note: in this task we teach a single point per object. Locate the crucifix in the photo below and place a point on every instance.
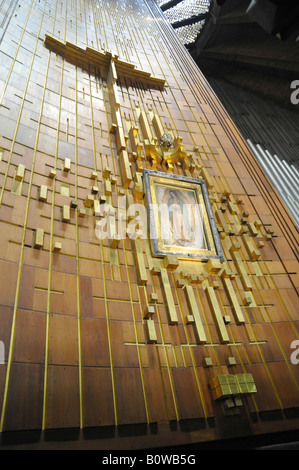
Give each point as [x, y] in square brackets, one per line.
[161, 148]
[112, 67]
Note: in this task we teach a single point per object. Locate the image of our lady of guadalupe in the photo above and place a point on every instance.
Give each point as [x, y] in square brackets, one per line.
[181, 220]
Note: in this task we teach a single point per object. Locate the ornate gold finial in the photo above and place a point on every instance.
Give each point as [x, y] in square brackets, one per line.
[167, 150]
[166, 141]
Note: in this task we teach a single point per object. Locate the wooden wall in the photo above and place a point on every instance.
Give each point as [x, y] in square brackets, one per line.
[77, 350]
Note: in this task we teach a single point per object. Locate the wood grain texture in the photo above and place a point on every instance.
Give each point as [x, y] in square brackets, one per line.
[72, 320]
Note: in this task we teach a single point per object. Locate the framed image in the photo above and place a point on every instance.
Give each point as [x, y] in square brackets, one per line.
[181, 219]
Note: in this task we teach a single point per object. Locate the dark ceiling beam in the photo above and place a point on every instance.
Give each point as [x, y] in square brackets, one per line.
[170, 4]
[191, 20]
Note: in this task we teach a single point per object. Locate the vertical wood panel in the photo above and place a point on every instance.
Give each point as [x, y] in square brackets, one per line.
[63, 409]
[189, 403]
[95, 346]
[129, 396]
[98, 397]
[80, 354]
[25, 404]
[30, 337]
[63, 345]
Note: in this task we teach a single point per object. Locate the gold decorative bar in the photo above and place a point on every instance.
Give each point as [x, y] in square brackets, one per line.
[113, 238]
[153, 298]
[196, 315]
[240, 266]
[158, 126]
[252, 251]
[213, 266]
[125, 169]
[52, 173]
[43, 192]
[120, 139]
[136, 145]
[148, 311]
[224, 386]
[212, 299]
[107, 187]
[151, 331]
[39, 238]
[222, 221]
[66, 213]
[207, 178]
[246, 383]
[146, 130]
[170, 262]
[140, 265]
[20, 172]
[232, 207]
[232, 296]
[111, 80]
[107, 172]
[253, 230]
[67, 164]
[89, 200]
[168, 294]
[57, 247]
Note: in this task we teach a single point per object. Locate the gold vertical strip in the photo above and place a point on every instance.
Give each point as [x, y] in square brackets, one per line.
[22, 102]
[20, 270]
[105, 290]
[16, 53]
[92, 125]
[77, 259]
[45, 395]
[175, 403]
[109, 337]
[194, 364]
[137, 341]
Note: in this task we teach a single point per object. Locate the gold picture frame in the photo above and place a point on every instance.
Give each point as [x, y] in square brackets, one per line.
[181, 219]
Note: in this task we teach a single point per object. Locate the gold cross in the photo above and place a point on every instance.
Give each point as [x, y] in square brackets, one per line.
[110, 66]
[101, 60]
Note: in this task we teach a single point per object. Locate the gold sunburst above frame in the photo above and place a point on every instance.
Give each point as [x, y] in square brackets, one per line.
[167, 151]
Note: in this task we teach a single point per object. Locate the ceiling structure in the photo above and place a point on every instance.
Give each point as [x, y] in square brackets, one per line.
[248, 51]
[230, 39]
[187, 17]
